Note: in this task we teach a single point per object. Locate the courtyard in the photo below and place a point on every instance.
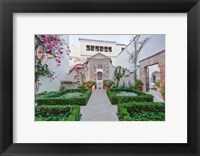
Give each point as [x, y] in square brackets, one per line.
[101, 80]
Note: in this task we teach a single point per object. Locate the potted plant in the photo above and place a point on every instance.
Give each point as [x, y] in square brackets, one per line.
[107, 84]
[90, 84]
[138, 85]
[163, 92]
[157, 85]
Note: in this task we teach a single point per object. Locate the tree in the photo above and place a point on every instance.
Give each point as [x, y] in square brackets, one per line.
[134, 53]
[47, 47]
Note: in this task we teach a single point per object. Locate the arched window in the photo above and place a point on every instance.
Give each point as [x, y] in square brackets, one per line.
[154, 78]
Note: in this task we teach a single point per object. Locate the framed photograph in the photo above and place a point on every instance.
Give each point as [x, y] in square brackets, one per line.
[99, 77]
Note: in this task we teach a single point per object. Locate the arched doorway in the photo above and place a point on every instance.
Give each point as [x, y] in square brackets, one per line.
[99, 80]
[99, 76]
[159, 59]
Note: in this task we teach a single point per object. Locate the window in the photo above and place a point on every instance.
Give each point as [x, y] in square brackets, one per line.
[92, 48]
[87, 48]
[154, 78]
[106, 49]
[96, 48]
[101, 48]
[110, 49]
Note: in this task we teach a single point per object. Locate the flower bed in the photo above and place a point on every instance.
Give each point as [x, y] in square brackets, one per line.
[141, 111]
[57, 113]
[117, 95]
[66, 97]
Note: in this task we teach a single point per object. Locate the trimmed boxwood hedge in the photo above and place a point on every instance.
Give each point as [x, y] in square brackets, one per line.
[141, 96]
[141, 111]
[57, 113]
[57, 99]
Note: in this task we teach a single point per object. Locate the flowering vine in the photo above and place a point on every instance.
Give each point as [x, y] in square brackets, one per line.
[48, 47]
[80, 71]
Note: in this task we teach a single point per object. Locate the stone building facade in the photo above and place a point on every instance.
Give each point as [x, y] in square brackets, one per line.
[98, 69]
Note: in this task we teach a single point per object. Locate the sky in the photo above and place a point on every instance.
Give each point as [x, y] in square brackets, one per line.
[124, 39]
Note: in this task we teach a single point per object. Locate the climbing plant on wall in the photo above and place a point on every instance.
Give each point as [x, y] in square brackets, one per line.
[80, 71]
[47, 47]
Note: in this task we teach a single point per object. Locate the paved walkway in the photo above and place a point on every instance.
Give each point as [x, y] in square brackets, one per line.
[157, 96]
[99, 108]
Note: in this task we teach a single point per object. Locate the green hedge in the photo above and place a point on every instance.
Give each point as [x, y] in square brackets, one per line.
[57, 113]
[141, 111]
[57, 99]
[141, 96]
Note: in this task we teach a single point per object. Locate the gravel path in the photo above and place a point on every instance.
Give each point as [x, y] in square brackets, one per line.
[99, 108]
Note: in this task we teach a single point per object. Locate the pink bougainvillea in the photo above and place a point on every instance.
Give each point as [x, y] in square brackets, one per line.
[48, 47]
[77, 67]
[54, 46]
[80, 71]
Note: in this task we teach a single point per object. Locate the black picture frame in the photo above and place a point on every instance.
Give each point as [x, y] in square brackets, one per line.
[8, 7]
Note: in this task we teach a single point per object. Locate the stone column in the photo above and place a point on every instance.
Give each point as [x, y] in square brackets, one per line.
[143, 71]
[162, 69]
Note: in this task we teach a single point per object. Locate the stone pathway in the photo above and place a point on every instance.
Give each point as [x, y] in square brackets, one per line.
[99, 108]
[157, 96]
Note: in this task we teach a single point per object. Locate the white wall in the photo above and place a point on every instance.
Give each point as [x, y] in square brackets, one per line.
[115, 48]
[155, 44]
[60, 71]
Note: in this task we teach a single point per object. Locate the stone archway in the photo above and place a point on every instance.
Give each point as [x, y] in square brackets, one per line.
[158, 58]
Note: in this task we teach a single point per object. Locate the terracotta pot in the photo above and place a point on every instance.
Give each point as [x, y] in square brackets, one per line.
[90, 86]
[140, 89]
[106, 87]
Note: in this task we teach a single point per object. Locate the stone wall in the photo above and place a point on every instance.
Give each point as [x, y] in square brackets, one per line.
[158, 58]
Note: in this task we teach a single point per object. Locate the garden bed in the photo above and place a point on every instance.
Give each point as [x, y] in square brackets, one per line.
[127, 94]
[57, 113]
[141, 111]
[66, 97]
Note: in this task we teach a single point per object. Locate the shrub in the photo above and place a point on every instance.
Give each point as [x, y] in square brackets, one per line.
[163, 90]
[138, 84]
[141, 96]
[108, 83]
[90, 82]
[83, 86]
[141, 111]
[65, 82]
[157, 84]
[57, 113]
[58, 98]
[44, 94]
